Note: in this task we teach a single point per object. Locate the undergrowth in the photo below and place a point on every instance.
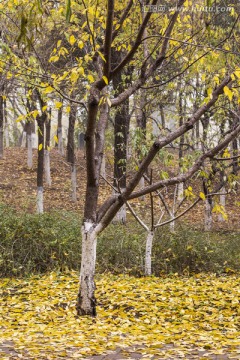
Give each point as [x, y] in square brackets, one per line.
[33, 244]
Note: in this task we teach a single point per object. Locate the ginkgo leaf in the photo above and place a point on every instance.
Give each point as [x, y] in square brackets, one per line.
[228, 92]
[58, 104]
[68, 109]
[105, 80]
[40, 146]
[90, 78]
[55, 139]
[202, 196]
[80, 44]
[101, 55]
[189, 311]
[72, 40]
[237, 73]
[35, 113]
[48, 90]
[20, 118]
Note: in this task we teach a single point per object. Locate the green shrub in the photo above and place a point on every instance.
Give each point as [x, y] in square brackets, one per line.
[121, 249]
[39, 243]
[189, 250]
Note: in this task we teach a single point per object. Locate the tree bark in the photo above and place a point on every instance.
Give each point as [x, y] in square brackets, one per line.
[208, 215]
[6, 124]
[181, 144]
[47, 165]
[60, 132]
[148, 253]
[70, 150]
[121, 129]
[1, 125]
[222, 202]
[29, 150]
[74, 182]
[86, 304]
[40, 163]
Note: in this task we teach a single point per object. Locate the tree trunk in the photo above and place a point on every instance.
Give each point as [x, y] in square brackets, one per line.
[29, 151]
[59, 132]
[121, 128]
[222, 203]
[181, 145]
[1, 126]
[235, 167]
[148, 253]
[141, 185]
[70, 150]
[40, 163]
[39, 200]
[47, 165]
[86, 304]
[172, 225]
[47, 168]
[208, 215]
[163, 123]
[74, 182]
[23, 139]
[28, 128]
[6, 124]
[103, 167]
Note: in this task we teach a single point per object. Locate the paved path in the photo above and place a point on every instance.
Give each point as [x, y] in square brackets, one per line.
[7, 351]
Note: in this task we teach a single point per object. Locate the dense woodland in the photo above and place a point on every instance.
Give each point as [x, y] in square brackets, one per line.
[125, 114]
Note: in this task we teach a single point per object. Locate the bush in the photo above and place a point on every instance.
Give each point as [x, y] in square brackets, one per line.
[38, 243]
[52, 241]
[189, 250]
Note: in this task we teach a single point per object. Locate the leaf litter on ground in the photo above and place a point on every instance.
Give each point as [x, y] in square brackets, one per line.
[167, 317]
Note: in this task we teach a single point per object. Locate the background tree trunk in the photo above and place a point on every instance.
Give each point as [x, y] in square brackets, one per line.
[6, 124]
[29, 144]
[70, 150]
[181, 146]
[60, 132]
[148, 253]
[40, 163]
[1, 125]
[47, 166]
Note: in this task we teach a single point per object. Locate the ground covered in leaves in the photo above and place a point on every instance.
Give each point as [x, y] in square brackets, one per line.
[149, 318]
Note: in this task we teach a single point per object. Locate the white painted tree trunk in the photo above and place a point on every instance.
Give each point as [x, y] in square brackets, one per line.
[34, 141]
[60, 142]
[222, 202]
[172, 224]
[29, 151]
[74, 182]
[24, 136]
[148, 253]
[142, 185]
[208, 216]
[180, 192]
[121, 216]
[47, 168]
[86, 304]
[103, 167]
[40, 200]
[6, 133]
